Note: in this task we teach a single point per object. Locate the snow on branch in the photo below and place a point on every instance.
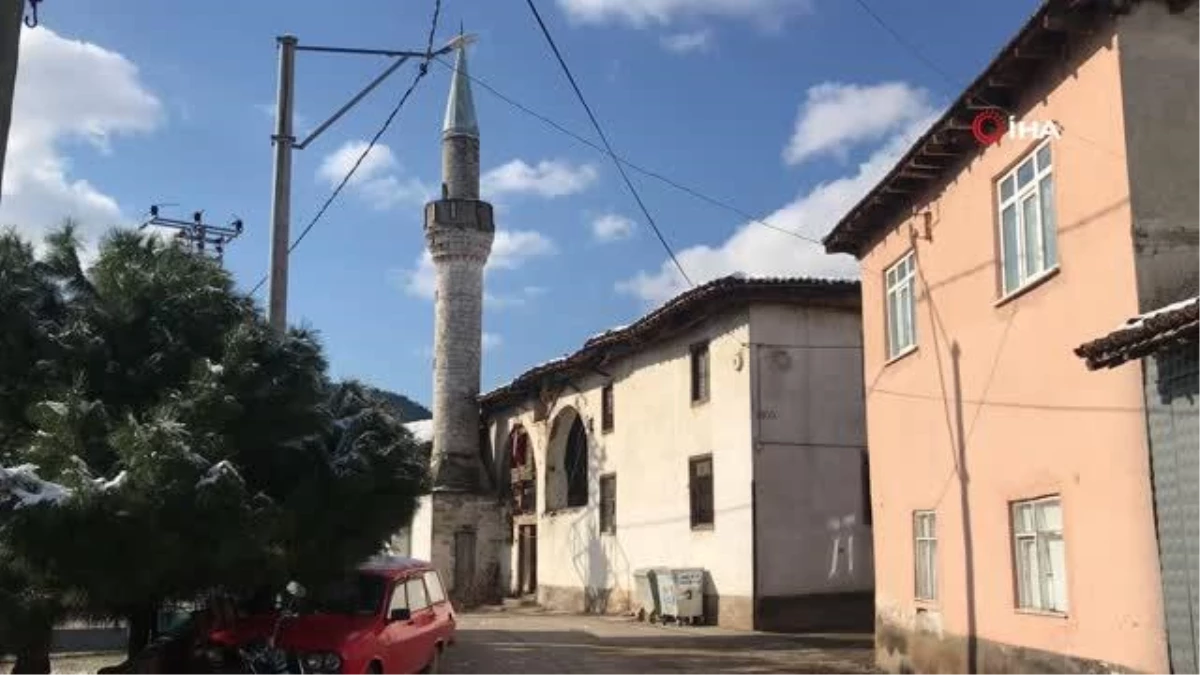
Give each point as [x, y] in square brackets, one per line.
[218, 471]
[21, 487]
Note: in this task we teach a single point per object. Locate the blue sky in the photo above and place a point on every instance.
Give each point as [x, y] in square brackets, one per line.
[789, 109]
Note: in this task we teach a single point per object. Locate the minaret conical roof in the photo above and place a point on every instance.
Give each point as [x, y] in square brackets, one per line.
[460, 107]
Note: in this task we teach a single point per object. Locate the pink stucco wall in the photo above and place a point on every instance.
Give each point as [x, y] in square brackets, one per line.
[1035, 420]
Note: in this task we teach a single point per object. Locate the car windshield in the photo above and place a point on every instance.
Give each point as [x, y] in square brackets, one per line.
[359, 594]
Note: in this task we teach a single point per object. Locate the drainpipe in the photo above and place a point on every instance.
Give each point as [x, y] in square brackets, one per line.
[755, 435]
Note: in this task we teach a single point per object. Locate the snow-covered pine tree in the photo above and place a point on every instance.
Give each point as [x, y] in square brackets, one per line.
[167, 442]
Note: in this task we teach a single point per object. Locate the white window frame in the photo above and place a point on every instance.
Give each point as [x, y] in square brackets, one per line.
[925, 539]
[1036, 535]
[1045, 253]
[900, 283]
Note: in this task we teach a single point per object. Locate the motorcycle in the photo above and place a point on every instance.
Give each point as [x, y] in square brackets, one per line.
[228, 651]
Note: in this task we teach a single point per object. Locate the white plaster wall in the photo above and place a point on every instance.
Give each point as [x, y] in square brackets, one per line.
[656, 430]
[422, 530]
[810, 433]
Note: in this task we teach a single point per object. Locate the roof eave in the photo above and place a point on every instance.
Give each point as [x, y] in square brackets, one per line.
[939, 152]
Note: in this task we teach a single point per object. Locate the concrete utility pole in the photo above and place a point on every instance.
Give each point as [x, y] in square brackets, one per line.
[281, 196]
[11, 17]
[285, 142]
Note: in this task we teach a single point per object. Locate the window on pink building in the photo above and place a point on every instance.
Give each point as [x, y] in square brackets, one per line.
[900, 282]
[1041, 559]
[1027, 222]
[925, 554]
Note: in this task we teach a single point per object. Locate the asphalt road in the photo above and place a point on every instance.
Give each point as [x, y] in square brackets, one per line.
[535, 642]
[531, 641]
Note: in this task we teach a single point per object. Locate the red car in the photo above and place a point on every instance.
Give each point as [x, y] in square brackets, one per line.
[389, 616]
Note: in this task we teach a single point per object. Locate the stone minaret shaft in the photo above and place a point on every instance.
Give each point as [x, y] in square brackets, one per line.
[459, 230]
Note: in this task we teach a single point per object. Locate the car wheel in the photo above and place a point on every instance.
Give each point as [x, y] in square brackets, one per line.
[435, 661]
[376, 668]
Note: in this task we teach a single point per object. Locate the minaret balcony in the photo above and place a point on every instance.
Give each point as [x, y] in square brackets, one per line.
[467, 213]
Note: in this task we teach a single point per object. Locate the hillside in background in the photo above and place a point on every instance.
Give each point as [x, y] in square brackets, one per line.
[405, 408]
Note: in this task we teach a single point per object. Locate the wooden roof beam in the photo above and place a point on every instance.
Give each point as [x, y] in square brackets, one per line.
[921, 166]
[917, 174]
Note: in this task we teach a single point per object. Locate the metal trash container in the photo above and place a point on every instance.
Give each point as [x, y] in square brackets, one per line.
[646, 595]
[664, 582]
[689, 594]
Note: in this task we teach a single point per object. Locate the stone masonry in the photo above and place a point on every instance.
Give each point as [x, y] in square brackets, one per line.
[467, 524]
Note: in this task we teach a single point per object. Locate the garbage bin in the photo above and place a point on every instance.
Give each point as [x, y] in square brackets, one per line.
[689, 594]
[664, 582]
[646, 595]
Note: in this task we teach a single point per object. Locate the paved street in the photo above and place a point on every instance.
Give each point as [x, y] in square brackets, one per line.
[531, 642]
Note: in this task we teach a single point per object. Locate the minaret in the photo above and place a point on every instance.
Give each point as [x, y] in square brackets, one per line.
[459, 230]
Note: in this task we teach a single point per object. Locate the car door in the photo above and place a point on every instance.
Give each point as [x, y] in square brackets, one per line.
[444, 623]
[397, 636]
[422, 640]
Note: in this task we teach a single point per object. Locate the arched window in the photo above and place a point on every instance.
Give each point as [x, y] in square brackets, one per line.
[522, 472]
[576, 465]
[566, 457]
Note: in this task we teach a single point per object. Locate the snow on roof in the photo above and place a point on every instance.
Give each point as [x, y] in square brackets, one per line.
[20, 487]
[422, 430]
[1140, 320]
[1144, 334]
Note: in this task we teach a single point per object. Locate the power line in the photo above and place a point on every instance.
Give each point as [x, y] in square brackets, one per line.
[713, 201]
[908, 45]
[953, 82]
[422, 70]
[608, 146]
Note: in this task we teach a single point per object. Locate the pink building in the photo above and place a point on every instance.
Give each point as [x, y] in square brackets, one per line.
[1013, 500]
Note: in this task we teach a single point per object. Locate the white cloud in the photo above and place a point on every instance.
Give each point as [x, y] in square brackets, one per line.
[550, 178]
[684, 43]
[518, 298]
[612, 227]
[376, 179]
[759, 251]
[68, 89]
[421, 281]
[643, 13]
[491, 341]
[835, 117]
[510, 250]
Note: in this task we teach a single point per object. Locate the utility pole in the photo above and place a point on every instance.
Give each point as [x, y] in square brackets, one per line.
[281, 197]
[197, 234]
[11, 17]
[285, 141]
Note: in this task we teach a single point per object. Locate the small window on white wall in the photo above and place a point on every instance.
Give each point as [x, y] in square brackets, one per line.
[1041, 559]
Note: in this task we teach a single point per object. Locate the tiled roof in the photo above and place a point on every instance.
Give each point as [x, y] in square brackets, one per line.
[1002, 87]
[678, 314]
[1174, 324]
